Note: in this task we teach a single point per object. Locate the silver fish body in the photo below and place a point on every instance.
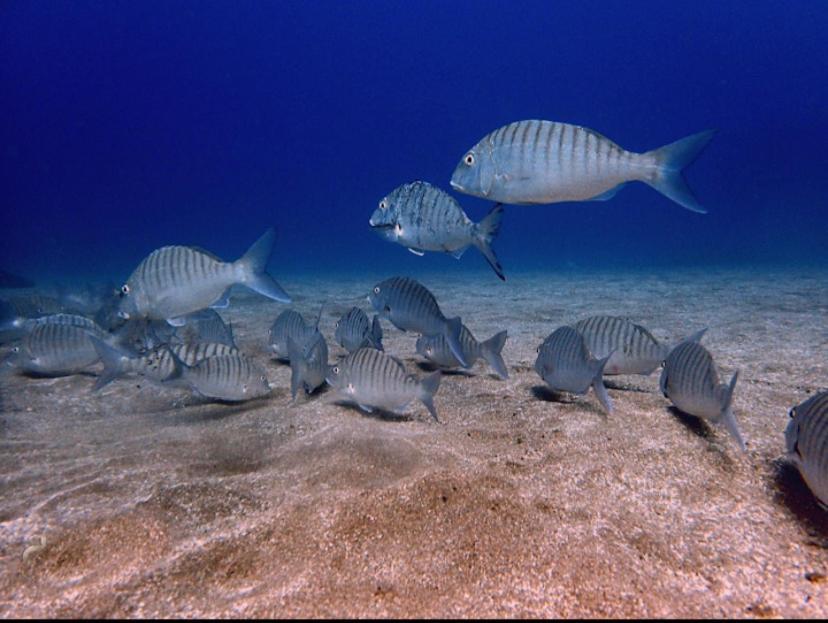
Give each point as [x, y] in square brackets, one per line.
[806, 439]
[174, 281]
[422, 217]
[232, 378]
[308, 363]
[54, 349]
[355, 331]
[691, 382]
[539, 162]
[411, 307]
[436, 350]
[634, 349]
[566, 365]
[288, 324]
[373, 379]
[72, 320]
[204, 326]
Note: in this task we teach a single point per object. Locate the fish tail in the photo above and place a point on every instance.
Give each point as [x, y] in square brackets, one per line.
[298, 366]
[598, 385]
[113, 361]
[670, 160]
[491, 349]
[728, 419]
[253, 264]
[484, 234]
[376, 333]
[428, 387]
[452, 330]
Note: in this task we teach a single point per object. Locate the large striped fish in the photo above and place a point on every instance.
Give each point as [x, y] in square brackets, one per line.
[565, 365]
[174, 281]
[537, 162]
[411, 307]
[373, 379]
[690, 381]
[225, 377]
[421, 217]
[806, 438]
[55, 349]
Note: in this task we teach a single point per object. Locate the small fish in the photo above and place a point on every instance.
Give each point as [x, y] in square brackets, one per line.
[411, 307]
[422, 218]
[156, 365]
[373, 379]
[204, 326]
[539, 162]
[354, 331]
[806, 438]
[54, 350]
[290, 324]
[231, 378]
[308, 363]
[565, 365]
[436, 350]
[141, 335]
[634, 349]
[174, 281]
[690, 381]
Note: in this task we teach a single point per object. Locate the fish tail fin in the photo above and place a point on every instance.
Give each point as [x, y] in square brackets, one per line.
[491, 349]
[598, 385]
[428, 387]
[253, 265]
[728, 419]
[670, 160]
[376, 333]
[113, 361]
[484, 234]
[298, 366]
[451, 332]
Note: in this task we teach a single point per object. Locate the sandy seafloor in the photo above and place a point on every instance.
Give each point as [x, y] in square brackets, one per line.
[151, 503]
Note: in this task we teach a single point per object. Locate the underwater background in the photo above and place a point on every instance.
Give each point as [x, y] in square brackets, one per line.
[130, 125]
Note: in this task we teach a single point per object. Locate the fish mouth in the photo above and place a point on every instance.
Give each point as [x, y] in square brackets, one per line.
[457, 186]
[381, 225]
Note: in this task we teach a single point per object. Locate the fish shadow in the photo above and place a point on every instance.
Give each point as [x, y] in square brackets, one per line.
[624, 387]
[376, 414]
[793, 493]
[542, 392]
[695, 425]
[195, 410]
[426, 366]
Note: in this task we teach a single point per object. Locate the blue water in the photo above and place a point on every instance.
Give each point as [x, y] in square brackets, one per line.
[129, 125]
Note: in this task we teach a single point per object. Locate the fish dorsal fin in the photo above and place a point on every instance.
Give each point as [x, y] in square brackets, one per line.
[646, 333]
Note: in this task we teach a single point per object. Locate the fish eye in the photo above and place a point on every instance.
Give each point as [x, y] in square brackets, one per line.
[337, 324]
[336, 369]
[262, 378]
[376, 290]
[383, 205]
[792, 412]
[124, 289]
[469, 159]
[16, 349]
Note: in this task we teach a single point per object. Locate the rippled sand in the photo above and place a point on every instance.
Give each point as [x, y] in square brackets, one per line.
[152, 503]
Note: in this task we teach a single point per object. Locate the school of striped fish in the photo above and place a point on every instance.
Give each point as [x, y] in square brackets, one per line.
[162, 324]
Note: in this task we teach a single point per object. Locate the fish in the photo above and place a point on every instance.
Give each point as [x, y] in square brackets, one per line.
[354, 331]
[54, 350]
[72, 320]
[290, 324]
[566, 365]
[308, 363]
[538, 162]
[806, 440]
[422, 217]
[411, 307]
[141, 335]
[174, 281]
[690, 381]
[436, 350]
[231, 378]
[205, 325]
[373, 379]
[634, 349]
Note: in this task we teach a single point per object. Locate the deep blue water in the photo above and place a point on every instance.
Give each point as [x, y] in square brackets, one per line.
[129, 125]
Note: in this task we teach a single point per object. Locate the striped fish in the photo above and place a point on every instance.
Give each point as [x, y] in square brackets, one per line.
[411, 307]
[308, 363]
[226, 377]
[690, 381]
[174, 281]
[289, 324]
[204, 326]
[634, 349]
[354, 331]
[156, 365]
[436, 350]
[806, 438]
[373, 379]
[537, 162]
[565, 365]
[72, 320]
[422, 218]
[54, 349]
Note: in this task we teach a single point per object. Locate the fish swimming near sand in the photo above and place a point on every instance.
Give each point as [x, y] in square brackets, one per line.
[634, 349]
[691, 382]
[565, 365]
[373, 379]
[205, 325]
[422, 217]
[174, 281]
[806, 438]
[436, 350]
[54, 349]
[354, 331]
[539, 162]
[290, 324]
[231, 378]
[308, 363]
[410, 306]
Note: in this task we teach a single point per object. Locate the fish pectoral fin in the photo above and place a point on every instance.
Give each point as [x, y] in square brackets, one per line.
[180, 321]
[457, 253]
[417, 252]
[222, 302]
[365, 408]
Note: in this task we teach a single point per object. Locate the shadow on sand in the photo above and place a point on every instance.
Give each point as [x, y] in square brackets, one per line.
[794, 494]
[542, 392]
